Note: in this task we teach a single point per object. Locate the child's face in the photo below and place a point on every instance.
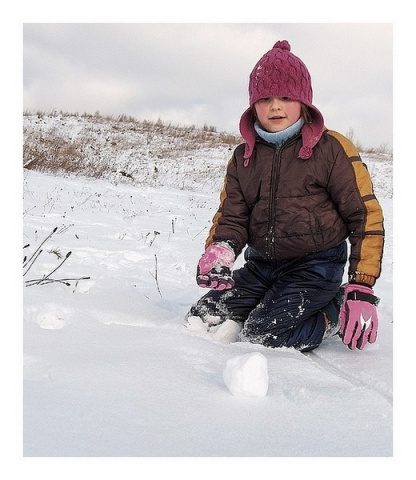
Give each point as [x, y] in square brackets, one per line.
[277, 113]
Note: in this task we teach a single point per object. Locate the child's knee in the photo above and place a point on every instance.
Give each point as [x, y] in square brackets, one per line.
[306, 336]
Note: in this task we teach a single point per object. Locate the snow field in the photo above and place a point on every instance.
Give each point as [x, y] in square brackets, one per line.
[110, 369]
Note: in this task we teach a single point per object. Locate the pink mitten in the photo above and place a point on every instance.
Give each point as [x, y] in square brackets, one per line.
[214, 267]
[358, 316]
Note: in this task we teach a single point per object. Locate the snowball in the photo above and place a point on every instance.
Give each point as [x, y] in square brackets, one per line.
[247, 375]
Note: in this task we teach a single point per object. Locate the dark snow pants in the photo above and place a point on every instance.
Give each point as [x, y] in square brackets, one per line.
[279, 303]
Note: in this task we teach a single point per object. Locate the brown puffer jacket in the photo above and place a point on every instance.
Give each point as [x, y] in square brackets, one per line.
[285, 207]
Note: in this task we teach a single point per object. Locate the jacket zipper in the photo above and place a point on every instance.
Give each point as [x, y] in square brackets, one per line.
[277, 156]
[274, 177]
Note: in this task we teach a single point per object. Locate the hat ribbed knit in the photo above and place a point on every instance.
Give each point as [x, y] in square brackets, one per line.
[279, 73]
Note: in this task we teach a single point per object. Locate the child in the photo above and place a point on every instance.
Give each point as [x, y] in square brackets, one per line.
[293, 193]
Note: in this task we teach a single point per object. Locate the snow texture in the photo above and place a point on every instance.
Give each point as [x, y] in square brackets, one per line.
[111, 371]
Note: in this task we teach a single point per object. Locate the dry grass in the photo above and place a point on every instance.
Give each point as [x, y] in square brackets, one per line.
[122, 149]
[93, 144]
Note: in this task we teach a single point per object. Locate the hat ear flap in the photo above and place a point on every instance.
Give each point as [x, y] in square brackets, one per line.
[247, 131]
[311, 132]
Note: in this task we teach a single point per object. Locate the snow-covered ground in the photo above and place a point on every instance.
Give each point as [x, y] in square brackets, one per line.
[110, 370]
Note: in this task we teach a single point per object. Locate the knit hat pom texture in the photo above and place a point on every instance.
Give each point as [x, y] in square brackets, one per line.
[279, 73]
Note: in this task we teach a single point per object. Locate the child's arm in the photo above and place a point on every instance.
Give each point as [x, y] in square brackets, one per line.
[352, 190]
[230, 223]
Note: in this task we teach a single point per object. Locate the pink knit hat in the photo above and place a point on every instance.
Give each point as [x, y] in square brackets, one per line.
[279, 73]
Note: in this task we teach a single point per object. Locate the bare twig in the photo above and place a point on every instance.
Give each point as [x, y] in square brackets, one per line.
[155, 234]
[64, 228]
[39, 247]
[45, 277]
[45, 281]
[60, 265]
[56, 252]
[33, 261]
[155, 277]
[200, 232]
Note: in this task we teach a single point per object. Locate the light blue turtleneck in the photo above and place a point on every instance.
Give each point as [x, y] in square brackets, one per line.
[278, 138]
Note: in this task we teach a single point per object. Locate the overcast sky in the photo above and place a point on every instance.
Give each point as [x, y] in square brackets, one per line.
[198, 73]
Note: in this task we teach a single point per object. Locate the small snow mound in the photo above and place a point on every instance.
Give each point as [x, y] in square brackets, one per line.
[247, 375]
[135, 257]
[226, 332]
[84, 286]
[196, 325]
[50, 321]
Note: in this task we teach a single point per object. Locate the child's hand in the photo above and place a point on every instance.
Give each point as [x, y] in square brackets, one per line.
[358, 316]
[214, 267]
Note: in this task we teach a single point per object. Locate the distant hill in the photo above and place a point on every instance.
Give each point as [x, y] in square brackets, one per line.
[124, 149]
[142, 152]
